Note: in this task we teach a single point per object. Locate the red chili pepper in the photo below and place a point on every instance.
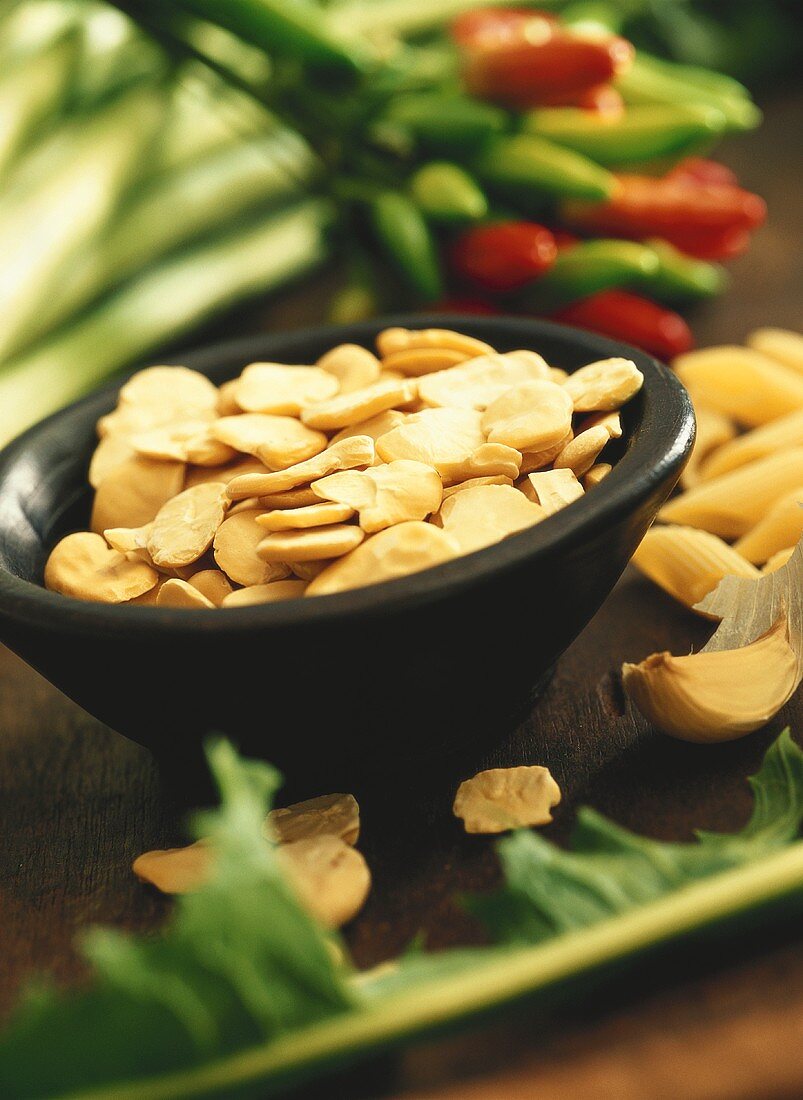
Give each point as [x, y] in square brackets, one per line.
[702, 170]
[724, 244]
[505, 256]
[602, 99]
[676, 209]
[494, 26]
[525, 72]
[463, 305]
[563, 238]
[635, 320]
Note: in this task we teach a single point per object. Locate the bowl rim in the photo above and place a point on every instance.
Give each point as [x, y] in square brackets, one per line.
[658, 448]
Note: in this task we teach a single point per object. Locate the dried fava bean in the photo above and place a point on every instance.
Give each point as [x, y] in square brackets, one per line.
[530, 416]
[331, 878]
[349, 453]
[583, 451]
[418, 361]
[282, 390]
[184, 441]
[604, 386]
[395, 552]
[277, 441]
[385, 495]
[374, 426]
[213, 584]
[499, 799]
[236, 544]
[200, 475]
[134, 491]
[178, 593]
[328, 815]
[112, 451]
[310, 545]
[315, 515]
[185, 526]
[84, 567]
[596, 474]
[174, 390]
[352, 365]
[126, 420]
[391, 340]
[265, 593]
[473, 482]
[350, 408]
[442, 438]
[292, 498]
[149, 598]
[476, 383]
[250, 504]
[308, 570]
[132, 541]
[611, 421]
[227, 400]
[480, 517]
[553, 489]
[176, 870]
[489, 460]
[538, 460]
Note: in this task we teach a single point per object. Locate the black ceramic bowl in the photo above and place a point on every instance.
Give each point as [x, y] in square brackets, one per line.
[365, 677]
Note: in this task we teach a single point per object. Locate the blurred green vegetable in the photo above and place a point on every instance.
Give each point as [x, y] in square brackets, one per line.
[518, 165]
[587, 268]
[403, 234]
[32, 95]
[447, 193]
[651, 80]
[641, 134]
[264, 252]
[130, 143]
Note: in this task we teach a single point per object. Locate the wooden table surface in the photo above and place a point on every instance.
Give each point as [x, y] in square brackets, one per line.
[78, 802]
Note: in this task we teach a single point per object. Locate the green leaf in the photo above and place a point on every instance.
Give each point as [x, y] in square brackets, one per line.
[609, 870]
[240, 995]
[239, 963]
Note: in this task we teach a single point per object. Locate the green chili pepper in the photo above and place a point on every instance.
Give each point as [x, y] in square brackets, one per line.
[450, 125]
[588, 268]
[516, 165]
[651, 80]
[641, 134]
[593, 15]
[447, 193]
[291, 28]
[680, 277]
[401, 230]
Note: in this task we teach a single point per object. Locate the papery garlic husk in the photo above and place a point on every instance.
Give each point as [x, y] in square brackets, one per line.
[716, 696]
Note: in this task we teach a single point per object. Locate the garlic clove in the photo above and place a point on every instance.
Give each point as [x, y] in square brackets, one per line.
[710, 697]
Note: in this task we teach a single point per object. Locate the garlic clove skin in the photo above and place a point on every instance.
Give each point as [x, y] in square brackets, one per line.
[718, 696]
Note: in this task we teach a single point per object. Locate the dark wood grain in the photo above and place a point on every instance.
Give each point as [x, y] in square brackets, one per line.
[78, 802]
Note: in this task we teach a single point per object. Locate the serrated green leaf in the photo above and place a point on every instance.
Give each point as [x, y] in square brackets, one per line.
[609, 870]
